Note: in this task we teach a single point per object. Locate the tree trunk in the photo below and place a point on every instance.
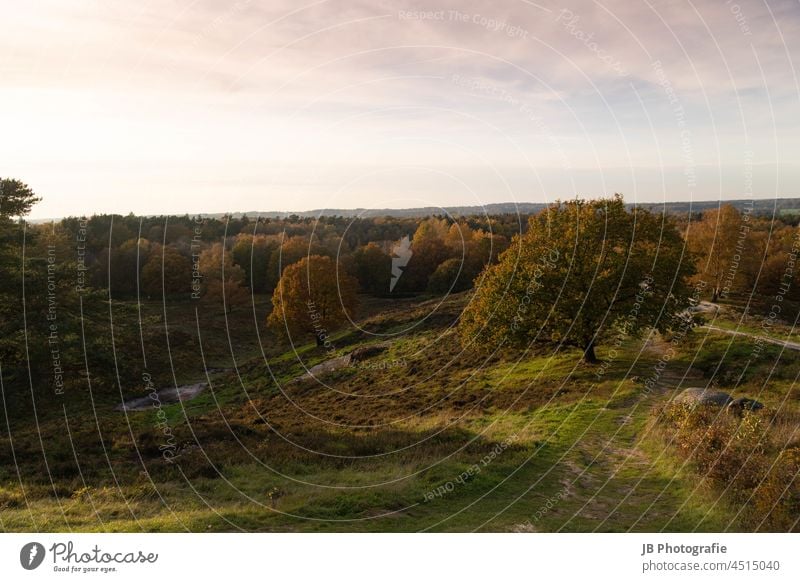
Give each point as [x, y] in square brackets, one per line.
[320, 341]
[588, 354]
[715, 296]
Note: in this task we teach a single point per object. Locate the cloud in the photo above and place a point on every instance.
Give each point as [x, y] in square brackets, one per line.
[177, 87]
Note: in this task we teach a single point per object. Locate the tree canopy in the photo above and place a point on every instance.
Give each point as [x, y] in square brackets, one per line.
[715, 239]
[313, 298]
[16, 198]
[582, 270]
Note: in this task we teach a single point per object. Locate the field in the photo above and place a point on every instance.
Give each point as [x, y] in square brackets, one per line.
[418, 435]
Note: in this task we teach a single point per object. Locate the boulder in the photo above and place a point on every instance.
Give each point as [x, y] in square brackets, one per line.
[366, 352]
[743, 403]
[704, 396]
[327, 366]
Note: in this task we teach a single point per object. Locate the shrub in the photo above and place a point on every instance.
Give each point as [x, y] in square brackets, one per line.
[741, 456]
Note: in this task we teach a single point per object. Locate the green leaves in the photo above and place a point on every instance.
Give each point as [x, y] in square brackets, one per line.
[582, 268]
[16, 198]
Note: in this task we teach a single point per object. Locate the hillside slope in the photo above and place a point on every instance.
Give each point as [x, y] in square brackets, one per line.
[420, 435]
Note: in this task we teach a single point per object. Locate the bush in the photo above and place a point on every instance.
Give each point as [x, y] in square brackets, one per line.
[450, 276]
[10, 498]
[778, 496]
[743, 457]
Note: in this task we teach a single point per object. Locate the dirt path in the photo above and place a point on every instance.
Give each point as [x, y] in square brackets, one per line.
[163, 396]
[777, 342]
[614, 481]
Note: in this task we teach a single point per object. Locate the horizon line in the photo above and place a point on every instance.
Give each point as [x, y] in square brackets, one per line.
[328, 211]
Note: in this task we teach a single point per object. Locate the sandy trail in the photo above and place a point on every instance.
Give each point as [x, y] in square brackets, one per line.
[164, 396]
[769, 340]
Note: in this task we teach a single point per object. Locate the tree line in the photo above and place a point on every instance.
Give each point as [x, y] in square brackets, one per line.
[573, 273]
[154, 257]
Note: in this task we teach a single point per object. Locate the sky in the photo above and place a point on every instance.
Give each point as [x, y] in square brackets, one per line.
[173, 106]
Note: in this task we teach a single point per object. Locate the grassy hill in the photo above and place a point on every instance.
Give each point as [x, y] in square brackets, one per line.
[423, 436]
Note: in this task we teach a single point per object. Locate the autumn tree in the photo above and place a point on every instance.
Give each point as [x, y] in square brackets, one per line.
[373, 269]
[166, 272]
[469, 251]
[583, 270]
[288, 253]
[252, 253]
[223, 279]
[772, 266]
[313, 298]
[450, 276]
[714, 240]
[428, 251]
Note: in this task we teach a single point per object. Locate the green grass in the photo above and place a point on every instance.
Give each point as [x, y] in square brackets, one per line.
[578, 449]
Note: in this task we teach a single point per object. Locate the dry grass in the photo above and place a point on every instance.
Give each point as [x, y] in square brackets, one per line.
[754, 459]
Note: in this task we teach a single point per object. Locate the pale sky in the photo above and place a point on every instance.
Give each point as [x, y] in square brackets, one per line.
[168, 106]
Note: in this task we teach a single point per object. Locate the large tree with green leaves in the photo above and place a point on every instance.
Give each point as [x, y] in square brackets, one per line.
[583, 271]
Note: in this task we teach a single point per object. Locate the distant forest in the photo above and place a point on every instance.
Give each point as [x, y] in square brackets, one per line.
[79, 264]
[204, 255]
[776, 206]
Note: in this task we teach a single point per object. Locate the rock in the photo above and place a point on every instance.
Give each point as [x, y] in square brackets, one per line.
[694, 396]
[366, 352]
[743, 403]
[327, 366]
